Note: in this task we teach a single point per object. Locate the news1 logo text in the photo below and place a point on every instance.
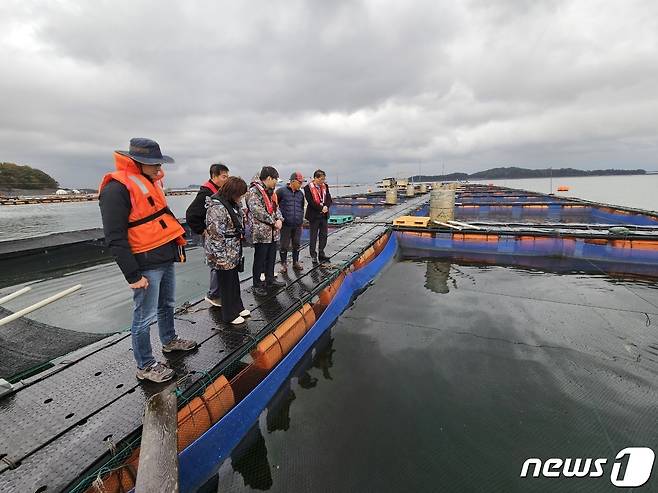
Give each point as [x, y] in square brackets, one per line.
[631, 468]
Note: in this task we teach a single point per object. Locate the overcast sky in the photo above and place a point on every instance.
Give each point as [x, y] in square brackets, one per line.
[361, 89]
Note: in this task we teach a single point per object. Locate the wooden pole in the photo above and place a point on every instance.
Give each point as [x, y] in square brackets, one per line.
[158, 454]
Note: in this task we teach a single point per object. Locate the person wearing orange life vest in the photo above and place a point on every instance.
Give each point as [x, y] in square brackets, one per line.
[266, 226]
[146, 239]
[318, 200]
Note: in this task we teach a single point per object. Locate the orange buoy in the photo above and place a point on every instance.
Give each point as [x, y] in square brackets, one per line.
[273, 347]
[563, 188]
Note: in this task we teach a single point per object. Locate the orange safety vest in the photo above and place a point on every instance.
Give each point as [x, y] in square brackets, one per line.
[150, 224]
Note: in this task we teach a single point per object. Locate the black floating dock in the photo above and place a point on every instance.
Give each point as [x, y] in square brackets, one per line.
[60, 425]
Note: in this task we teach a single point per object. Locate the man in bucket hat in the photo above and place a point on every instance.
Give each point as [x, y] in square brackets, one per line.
[146, 239]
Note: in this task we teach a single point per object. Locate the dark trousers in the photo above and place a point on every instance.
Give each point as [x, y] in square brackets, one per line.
[319, 227]
[229, 285]
[213, 290]
[264, 259]
[288, 234]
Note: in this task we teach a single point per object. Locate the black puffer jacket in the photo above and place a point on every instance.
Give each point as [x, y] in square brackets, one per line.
[313, 209]
[115, 205]
[196, 212]
[291, 205]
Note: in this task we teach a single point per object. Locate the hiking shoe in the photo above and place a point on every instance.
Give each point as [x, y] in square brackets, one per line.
[297, 266]
[284, 268]
[214, 301]
[276, 284]
[245, 313]
[237, 321]
[179, 344]
[157, 373]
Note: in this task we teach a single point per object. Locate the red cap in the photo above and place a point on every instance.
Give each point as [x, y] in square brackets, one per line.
[297, 176]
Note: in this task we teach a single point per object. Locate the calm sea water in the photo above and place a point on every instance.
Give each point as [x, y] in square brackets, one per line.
[480, 368]
[631, 191]
[25, 221]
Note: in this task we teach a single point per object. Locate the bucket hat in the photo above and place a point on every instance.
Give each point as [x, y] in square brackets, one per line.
[146, 151]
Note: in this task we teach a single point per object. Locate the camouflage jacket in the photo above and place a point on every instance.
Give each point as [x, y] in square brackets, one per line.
[263, 230]
[223, 249]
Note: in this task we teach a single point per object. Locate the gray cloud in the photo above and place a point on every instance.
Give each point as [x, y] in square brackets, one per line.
[362, 89]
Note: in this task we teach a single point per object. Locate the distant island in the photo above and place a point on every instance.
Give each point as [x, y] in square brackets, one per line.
[514, 172]
[14, 176]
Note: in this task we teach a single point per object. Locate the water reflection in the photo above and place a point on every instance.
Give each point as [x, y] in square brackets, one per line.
[324, 358]
[613, 271]
[436, 276]
[278, 411]
[250, 458]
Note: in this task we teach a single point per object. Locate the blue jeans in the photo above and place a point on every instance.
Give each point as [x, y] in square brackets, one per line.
[155, 302]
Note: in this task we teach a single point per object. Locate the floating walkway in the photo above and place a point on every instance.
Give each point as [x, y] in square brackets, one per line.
[610, 239]
[48, 199]
[79, 421]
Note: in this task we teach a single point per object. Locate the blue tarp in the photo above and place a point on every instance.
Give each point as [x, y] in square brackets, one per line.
[199, 461]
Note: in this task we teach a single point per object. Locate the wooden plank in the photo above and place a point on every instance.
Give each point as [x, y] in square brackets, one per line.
[158, 456]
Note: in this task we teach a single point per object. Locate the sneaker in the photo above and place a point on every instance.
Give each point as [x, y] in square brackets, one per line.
[214, 301]
[324, 259]
[262, 276]
[276, 284]
[314, 259]
[245, 313]
[179, 344]
[157, 373]
[237, 321]
[297, 266]
[284, 268]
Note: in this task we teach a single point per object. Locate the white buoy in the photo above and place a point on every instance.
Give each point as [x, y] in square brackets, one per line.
[11, 296]
[38, 305]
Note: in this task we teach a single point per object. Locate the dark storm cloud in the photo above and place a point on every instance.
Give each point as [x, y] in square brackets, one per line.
[363, 89]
